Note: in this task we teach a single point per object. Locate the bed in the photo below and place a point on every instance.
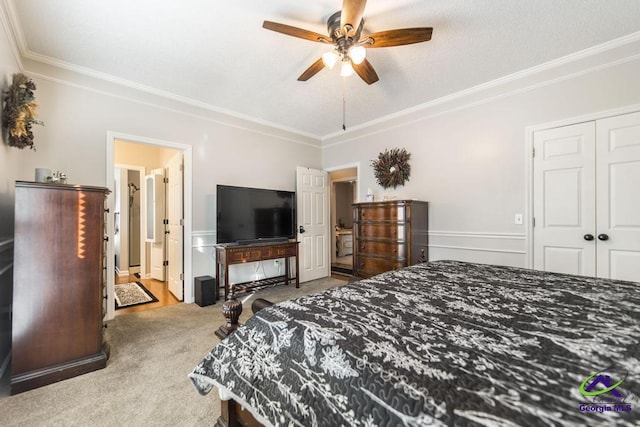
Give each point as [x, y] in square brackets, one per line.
[439, 343]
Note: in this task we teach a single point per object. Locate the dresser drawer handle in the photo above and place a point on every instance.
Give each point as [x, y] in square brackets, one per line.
[362, 264]
[362, 248]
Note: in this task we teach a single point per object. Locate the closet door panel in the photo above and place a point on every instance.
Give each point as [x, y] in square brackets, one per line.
[618, 197]
[564, 199]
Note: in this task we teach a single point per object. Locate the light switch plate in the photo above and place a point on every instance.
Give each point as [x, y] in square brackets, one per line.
[518, 219]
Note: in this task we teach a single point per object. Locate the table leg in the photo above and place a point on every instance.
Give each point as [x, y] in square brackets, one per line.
[297, 271]
[217, 280]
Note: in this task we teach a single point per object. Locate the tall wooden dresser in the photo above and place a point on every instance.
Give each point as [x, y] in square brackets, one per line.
[58, 283]
[389, 235]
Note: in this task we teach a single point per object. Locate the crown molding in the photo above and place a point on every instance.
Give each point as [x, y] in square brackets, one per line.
[408, 116]
[464, 98]
[20, 50]
[158, 92]
[12, 30]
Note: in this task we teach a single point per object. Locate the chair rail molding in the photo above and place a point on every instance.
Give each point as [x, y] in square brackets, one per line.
[203, 239]
[483, 247]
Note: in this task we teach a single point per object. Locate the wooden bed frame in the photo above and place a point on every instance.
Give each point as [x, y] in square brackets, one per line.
[232, 414]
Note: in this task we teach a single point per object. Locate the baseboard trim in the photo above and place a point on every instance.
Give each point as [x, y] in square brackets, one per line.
[122, 273]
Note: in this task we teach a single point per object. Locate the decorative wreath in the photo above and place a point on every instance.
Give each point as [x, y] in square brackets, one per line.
[392, 167]
[19, 112]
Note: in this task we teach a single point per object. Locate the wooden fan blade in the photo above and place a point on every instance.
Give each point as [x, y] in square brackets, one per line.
[366, 72]
[352, 11]
[311, 71]
[398, 37]
[296, 32]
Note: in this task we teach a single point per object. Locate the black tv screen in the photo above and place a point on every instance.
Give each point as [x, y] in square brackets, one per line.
[246, 215]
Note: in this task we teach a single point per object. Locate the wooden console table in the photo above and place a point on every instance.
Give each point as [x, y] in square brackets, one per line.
[227, 255]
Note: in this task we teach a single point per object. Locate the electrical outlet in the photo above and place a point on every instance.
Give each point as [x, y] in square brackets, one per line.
[518, 219]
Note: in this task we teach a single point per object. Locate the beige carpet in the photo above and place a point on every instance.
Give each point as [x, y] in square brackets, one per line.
[145, 381]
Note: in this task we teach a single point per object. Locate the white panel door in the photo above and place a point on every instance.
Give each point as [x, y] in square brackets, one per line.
[155, 222]
[175, 228]
[618, 194]
[564, 200]
[313, 226]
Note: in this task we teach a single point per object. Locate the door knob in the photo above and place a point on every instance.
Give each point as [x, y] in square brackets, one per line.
[588, 237]
[302, 230]
[603, 237]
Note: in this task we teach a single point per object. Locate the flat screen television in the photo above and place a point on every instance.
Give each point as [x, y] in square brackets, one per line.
[250, 215]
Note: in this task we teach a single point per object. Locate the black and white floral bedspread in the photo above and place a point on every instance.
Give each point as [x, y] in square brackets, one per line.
[443, 343]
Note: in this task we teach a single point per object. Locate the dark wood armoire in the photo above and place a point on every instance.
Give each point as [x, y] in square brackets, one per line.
[59, 297]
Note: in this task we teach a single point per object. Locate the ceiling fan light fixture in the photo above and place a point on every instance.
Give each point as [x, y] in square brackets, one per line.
[330, 58]
[346, 69]
[357, 54]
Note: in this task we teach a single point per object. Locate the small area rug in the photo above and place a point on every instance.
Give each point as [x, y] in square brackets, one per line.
[132, 293]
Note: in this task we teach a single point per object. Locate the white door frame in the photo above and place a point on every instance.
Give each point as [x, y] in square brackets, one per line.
[529, 131]
[187, 150]
[143, 217]
[355, 165]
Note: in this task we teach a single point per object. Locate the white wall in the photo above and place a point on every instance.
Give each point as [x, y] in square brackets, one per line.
[468, 153]
[10, 170]
[10, 158]
[73, 140]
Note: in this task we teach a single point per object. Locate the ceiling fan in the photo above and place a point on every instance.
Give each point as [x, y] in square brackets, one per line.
[345, 34]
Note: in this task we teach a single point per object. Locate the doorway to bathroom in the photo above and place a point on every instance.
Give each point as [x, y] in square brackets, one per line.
[143, 201]
[343, 193]
[128, 248]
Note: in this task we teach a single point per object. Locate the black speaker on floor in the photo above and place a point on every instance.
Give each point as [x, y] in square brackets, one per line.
[205, 290]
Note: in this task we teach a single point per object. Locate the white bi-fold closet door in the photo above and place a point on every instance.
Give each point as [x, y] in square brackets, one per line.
[587, 198]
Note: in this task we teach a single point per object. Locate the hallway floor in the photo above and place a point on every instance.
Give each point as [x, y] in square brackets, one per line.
[157, 288]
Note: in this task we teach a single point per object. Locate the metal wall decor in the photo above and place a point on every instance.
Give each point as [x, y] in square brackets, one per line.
[392, 167]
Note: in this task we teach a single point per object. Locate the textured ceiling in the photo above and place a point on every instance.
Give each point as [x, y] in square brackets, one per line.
[217, 53]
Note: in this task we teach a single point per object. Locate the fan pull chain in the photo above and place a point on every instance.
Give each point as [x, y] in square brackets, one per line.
[344, 103]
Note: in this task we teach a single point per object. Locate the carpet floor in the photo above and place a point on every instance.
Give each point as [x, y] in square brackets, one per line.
[145, 381]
